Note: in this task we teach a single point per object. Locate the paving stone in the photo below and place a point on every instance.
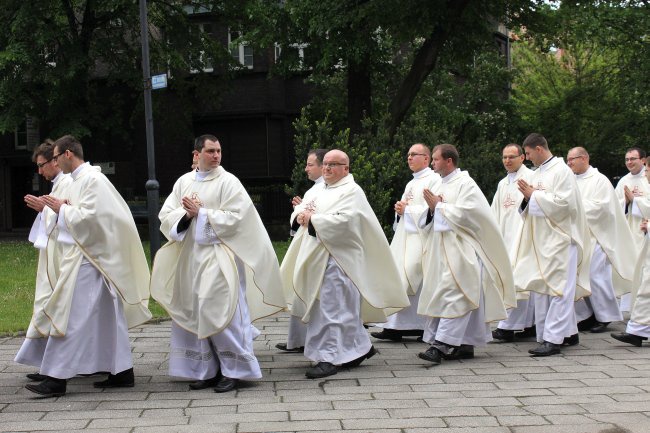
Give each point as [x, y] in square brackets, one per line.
[43, 425]
[291, 426]
[515, 420]
[86, 414]
[392, 423]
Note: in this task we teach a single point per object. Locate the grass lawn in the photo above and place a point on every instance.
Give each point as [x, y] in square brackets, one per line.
[18, 273]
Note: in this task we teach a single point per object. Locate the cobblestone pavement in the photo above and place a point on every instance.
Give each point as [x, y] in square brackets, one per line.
[599, 386]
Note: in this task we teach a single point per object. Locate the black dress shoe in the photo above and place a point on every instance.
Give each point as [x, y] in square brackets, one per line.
[587, 324]
[388, 334]
[226, 384]
[573, 340]
[432, 355]
[36, 377]
[206, 383]
[284, 348]
[599, 327]
[357, 362]
[50, 387]
[123, 379]
[629, 338]
[530, 332]
[545, 349]
[464, 351]
[503, 334]
[322, 369]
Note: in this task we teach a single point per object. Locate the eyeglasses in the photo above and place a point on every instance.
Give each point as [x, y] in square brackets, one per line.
[42, 164]
[410, 154]
[573, 158]
[631, 159]
[55, 157]
[511, 157]
[332, 164]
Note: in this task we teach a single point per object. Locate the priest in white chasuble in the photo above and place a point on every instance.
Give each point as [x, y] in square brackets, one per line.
[630, 189]
[314, 168]
[341, 270]
[551, 257]
[614, 252]
[407, 246]
[467, 274]
[102, 285]
[216, 275]
[638, 327]
[505, 206]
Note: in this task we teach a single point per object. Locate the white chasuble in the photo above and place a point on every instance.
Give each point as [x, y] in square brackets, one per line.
[557, 221]
[348, 230]
[640, 302]
[49, 259]
[465, 230]
[608, 227]
[195, 277]
[97, 226]
[407, 246]
[638, 184]
[505, 205]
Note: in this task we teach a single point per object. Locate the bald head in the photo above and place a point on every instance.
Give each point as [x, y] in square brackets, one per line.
[578, 160]
[336, 165]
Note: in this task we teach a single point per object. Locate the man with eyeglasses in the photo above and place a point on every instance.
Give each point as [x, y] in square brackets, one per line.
[467, 278]
[629, 188]
[613, 250]
[551, 259]
[340, 268]
[103, 283]
[505, 206]
[314, 170]
[43, 235]
[407, 246]
[217, 273]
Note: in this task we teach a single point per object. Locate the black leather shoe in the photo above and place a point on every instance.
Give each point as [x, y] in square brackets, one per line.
[357, 362]
[205, 383]
[123, 379]
[49, 387]
[284, 348]
[322, 369]
[432, 355]
[599, 327]
[545, 349]
[464, 351]
[503, 334]
[587, 324]
[530, 332]
[226, 384]
[388, 334]
[571, 341]
[36, 377]
[629, 338]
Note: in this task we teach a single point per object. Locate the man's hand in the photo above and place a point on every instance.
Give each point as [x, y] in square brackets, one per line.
[191, 207]
[525, 188]
[399, 207]
[629, 195]
[296, 201]
[304, 217]
[53, 202]
[431, 199]
[34, 202]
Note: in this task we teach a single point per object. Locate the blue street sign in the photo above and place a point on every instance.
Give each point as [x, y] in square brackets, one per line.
[159, 81]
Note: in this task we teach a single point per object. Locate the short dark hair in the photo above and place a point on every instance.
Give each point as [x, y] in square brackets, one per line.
[69, 142]
[200, 141]
[533, 140]
[448, 151]
[520, 150]
[642, 153]
[45, 149]
[320, 154]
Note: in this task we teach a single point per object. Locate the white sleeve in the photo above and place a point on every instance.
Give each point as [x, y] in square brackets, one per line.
[173, 232]
[410, 225]
[38, 232]
[635, 210]
[440, 223]
[64, 235]
[203, 231]
[533, 207]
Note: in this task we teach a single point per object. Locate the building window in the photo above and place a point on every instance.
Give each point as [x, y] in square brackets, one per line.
[239, 49]
[206, 30]
[26, 135]
[293, 52]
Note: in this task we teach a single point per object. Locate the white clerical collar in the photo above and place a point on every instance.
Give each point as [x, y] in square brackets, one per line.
[512, 176]
[450, 176]
[640, 173]
[57, 178]
[319, 180]
[543, 166]
[77, 171]
[588, 171]
[421, 173]
[201, 175]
